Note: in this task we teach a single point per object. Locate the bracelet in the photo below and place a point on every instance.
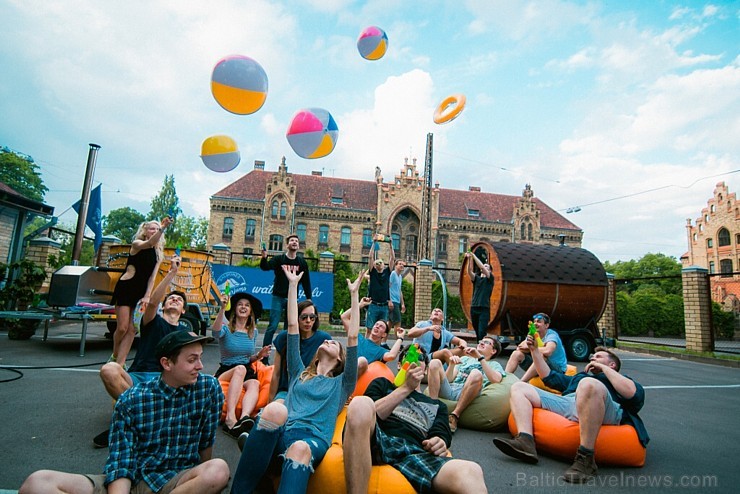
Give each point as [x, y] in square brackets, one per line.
[480, 359]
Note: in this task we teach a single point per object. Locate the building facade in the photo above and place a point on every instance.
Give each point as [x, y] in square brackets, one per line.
[714, 244]
[342, 215]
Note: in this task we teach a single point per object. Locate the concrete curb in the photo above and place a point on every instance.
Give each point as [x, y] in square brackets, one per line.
[637, 348]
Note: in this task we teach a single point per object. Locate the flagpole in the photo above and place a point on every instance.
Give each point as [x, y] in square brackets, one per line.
[92, 157]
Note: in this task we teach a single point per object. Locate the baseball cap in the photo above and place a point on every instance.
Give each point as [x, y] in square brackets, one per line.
[177, 339]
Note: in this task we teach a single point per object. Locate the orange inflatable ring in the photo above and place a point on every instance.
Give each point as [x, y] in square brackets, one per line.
[374, 370]
[264, 376]
[537, 382]
[449, 109]
[616, 445]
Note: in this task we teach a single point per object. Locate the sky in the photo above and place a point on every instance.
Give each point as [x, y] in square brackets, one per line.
[592, 103]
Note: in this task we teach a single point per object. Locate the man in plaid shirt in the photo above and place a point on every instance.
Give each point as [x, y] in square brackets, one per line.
[162, 432]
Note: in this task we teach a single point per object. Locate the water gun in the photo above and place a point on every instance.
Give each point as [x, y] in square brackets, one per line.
[533, 332]
[227, 291]
[177, 250]
[383, 238]
[412, 357]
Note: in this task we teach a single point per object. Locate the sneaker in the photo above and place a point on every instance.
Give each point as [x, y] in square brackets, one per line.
[519, 447]
[582, 470]
[101, 440]
[241, 440]
[244, 424]
[112, 358]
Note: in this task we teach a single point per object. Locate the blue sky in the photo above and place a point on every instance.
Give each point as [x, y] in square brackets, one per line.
[586, 101]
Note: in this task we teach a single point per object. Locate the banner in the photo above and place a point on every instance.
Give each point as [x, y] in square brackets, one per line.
[94, 219]
[259, 283]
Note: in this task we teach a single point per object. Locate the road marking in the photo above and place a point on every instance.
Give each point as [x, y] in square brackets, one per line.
[646, 359]
[694, 386]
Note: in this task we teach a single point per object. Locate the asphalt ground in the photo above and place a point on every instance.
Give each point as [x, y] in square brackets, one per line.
[54, 404]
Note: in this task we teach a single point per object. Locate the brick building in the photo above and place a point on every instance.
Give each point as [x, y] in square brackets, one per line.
[16, 210]
[714, 244]
[343, 214]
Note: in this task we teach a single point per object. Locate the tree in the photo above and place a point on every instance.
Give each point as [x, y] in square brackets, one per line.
[123, 223]
[188, 232]
[21, 173]
[166, 202]
[651, 269]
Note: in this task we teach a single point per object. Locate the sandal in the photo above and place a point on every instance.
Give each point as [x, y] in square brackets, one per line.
[453, 419]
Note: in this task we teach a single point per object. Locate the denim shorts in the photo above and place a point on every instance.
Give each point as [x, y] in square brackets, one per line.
[565, 406]
[141, 487]
[142, 377]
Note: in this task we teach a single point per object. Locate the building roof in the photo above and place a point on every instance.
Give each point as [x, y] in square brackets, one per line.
[10, 196]
[316, 190]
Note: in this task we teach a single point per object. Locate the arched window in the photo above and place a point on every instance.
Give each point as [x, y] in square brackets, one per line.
[324, 235]
[283, 210]
[276, 242]
[275, 206]
[250, 229]
[723, 237]
[523, 234]
[346, 236]
[396, 241]
[228, 230]
[301, 232]
[529, 231]
[367, 238]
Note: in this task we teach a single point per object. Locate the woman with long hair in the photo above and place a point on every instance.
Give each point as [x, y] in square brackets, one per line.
[298, 433]
[136, 283]
[236, 331]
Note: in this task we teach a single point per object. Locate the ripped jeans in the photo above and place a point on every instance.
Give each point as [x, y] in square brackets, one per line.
[264, 452]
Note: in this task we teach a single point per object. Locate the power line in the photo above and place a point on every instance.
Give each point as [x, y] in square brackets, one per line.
[575, 209]
[510, 170]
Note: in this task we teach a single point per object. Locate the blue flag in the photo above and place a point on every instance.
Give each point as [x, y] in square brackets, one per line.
[94, 219]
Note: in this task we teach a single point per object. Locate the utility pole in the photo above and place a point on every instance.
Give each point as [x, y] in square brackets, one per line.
[425, 248]
[92, 157]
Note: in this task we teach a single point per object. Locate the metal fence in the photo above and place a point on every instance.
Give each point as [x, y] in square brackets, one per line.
[650, 310]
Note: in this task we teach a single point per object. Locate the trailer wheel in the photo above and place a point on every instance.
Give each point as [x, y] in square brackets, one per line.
[579, 347]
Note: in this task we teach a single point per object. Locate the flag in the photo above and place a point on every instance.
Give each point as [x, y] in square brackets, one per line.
[94, 219]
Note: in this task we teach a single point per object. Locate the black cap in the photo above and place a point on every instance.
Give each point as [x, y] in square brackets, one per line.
[253, 301]
[175, 340]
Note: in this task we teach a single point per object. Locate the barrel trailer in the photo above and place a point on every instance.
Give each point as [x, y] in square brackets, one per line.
[567, 283]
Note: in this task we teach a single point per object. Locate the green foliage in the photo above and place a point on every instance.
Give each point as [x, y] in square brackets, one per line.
[25, 278]
[312, 259]
[723, 322]
[188, 232]
[645, 270]
[123, 223]
[64, 234]
[22, 174]
[343, 271]
[166, 202]
[407, 318]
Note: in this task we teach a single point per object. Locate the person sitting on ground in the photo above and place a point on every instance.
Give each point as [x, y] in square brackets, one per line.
[154, 327]
[435, 339]
[400, 426]
[143, 459]
[553, 350]
[298, 433]
[598, 396]
[369, 347]
[311, 338]
[466, 376]
[237, 341]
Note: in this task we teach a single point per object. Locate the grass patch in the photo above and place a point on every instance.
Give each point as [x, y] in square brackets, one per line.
[677, 350]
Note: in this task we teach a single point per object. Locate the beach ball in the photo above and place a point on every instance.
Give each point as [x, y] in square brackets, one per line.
[312, 133]
[220, 153]
[239, 84]
[372, 43]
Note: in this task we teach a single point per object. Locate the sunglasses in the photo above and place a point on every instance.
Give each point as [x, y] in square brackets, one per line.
[303, 317]
[487, 342]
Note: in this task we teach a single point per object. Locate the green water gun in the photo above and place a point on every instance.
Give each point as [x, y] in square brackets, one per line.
[412, 357]
[533, 332]
[227, 291]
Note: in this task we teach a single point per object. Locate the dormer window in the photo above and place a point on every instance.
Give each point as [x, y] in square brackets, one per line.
[473, 213]
[337, 200]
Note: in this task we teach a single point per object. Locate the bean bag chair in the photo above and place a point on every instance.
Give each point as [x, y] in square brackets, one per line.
[264, 376]
[537, 382]
[489, 411]
[374, 370]
[329, 475]
[616, 445]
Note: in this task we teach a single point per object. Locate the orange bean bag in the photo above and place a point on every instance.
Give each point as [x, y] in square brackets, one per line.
[374, 370]
[264, 376]
[329, 475]
[537, 382]
[616, 445]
